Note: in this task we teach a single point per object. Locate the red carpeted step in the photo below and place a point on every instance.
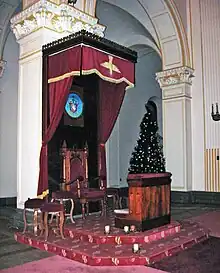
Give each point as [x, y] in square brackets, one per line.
[92, 230]
[111, 254]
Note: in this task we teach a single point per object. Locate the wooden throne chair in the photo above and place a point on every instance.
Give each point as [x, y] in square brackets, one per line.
[75, 182]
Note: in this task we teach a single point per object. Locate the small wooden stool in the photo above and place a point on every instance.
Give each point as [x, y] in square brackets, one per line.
[35, 205]
[56, 208]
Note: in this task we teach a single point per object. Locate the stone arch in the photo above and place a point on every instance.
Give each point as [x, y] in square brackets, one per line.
[163, 21]
[163, 18]
[7, 11]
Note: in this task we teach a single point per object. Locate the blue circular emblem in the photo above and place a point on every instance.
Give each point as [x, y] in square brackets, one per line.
[74, 106]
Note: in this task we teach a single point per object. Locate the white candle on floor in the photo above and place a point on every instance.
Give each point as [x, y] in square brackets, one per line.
[126, 229]
[135, 248]
[107, 229]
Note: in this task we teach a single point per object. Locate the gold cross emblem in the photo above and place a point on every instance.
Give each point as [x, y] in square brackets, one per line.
[109, 65]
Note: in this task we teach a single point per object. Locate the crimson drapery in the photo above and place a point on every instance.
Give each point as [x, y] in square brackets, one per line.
[109, 68]
[60, 74]
[110, 105]
[116, 75]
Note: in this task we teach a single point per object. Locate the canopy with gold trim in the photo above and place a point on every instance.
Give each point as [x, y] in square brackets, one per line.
[65, 60]
[107, 66]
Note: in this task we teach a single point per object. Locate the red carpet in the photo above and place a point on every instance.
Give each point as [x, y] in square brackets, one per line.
[86, 242]
[58, 264]
[210, 221]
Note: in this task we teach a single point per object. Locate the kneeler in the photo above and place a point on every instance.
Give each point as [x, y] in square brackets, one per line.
[75, 184]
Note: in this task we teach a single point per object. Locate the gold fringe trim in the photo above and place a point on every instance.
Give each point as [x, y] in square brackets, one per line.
[64, 76]
[87, 72]
[43, 195]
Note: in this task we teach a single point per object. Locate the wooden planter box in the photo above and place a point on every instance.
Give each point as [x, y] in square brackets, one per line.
[149, 201]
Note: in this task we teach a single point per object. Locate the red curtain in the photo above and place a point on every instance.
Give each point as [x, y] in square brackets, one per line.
[61, 68]
[111, 96]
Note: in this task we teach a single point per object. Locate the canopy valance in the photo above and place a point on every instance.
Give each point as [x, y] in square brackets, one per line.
[85, 60]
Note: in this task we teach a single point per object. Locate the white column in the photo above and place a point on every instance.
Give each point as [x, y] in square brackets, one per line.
[177, 131]
[30, 113]
[39, 24]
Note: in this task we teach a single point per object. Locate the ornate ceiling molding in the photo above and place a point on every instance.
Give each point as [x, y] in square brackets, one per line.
[60, 18]
[175, 76]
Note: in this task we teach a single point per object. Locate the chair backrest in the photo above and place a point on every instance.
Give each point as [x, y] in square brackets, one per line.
[74, 166]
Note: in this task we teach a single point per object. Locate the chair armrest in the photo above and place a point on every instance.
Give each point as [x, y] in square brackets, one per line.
[79, 178]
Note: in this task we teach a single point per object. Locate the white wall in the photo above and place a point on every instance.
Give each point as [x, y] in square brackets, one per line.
[210, 26]
[8, 119]
[205, 91]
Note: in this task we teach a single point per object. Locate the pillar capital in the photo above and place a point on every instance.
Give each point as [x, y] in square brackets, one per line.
[175, 76]
[61, 18]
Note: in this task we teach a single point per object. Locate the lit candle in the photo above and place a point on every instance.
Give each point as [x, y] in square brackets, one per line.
[126, 229]
[135, 248]
[132, 229]
[107, 229]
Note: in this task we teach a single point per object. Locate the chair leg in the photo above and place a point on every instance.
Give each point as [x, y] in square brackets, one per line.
[42, 223]
[35, 222]
[103, 204]
[87, 208]
[120, 202]
[46, 228]
[25, 221]
[62, 219]
[71, 211]
[83, 211]
[117, 202]
[52, 214]
[102, 209]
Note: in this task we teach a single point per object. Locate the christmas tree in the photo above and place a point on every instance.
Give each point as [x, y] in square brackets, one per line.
[148, 153]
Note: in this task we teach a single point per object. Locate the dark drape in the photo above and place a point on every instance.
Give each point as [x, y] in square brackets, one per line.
[61, 68]
[111, 96]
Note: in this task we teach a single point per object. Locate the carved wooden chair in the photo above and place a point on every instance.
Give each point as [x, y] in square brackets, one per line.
[75, 185]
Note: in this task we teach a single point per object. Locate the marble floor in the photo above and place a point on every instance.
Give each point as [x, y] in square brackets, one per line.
[12, 253]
